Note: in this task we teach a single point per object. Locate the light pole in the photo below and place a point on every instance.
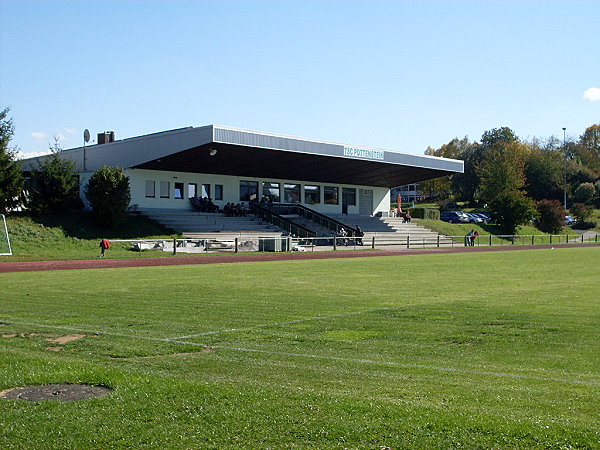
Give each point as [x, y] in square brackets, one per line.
[565, 168]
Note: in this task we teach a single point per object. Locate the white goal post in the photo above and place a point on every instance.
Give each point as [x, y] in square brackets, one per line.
[5, 249]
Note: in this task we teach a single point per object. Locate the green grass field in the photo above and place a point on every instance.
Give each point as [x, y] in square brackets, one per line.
[475, 350]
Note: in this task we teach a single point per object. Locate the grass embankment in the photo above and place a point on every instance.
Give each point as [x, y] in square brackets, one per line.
[500, 351]
[77, 236]
[460, 229]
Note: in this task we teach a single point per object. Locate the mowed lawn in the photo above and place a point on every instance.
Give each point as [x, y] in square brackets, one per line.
[472, 350]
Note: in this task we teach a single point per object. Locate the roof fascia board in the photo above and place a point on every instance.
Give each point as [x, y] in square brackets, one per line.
[249, 138]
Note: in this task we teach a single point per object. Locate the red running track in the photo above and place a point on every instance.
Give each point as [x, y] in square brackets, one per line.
[102, 263]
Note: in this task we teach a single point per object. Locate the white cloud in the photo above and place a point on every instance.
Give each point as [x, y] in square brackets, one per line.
[592, 94]
[39, 135]
[70, 130]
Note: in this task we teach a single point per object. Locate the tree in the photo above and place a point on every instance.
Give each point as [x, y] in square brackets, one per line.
[502, 179]
[109, 195]
[550, 216]
[497, 136]
[588, 149]
[512, 209]
[11, 176]
[585, 192]
[544, 174]
[501, 170]
[461, 186]
[54, 184]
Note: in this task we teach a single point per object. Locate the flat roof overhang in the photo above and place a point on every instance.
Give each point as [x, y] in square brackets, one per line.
[264, 163]
[245, 153]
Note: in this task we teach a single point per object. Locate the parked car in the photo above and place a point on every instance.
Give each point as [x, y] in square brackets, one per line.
[474, 218]
[569, 220]
[454, 217]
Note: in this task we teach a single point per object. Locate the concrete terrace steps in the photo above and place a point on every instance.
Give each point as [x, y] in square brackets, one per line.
[392, 229]
[200, 225]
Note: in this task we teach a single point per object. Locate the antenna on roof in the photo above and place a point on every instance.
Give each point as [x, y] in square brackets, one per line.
[86, 138]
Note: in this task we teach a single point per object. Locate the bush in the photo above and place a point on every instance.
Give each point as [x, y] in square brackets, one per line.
[581, 212]
[109, 195]
[551, 216]
[425, 213]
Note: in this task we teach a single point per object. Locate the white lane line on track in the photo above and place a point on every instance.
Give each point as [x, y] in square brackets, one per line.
[287, 322]
[321, 357]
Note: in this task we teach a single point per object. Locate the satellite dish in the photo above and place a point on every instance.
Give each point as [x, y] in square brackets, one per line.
[86, 135]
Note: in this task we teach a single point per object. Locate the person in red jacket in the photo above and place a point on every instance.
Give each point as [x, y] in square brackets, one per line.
[104, 245]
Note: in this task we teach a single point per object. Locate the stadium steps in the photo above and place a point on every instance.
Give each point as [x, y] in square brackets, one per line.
[392, 229]
[210, 225]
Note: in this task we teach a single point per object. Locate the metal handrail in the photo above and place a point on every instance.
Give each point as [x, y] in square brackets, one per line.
[276, 219]
[317, 217]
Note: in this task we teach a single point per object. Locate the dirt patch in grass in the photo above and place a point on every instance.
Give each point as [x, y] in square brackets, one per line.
[25, 335]
[54, 349]
[55, 392]
[65, 339]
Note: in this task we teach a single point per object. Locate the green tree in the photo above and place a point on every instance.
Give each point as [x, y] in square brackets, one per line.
[54, 184]
[502, 179]
[585, 192]
[544, 173]
[550, 216]
[109, 195]
[460, 186]
[11, 175]
[497, 136]
[588, 148]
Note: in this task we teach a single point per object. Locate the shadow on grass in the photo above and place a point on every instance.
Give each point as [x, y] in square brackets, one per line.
[83, 225]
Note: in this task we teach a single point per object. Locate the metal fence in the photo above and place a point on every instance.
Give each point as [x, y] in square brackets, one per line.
[334, 243]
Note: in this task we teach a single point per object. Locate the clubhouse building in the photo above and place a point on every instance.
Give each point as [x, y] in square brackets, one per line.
[226, 164]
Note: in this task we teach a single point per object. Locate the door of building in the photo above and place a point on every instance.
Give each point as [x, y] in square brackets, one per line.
[346, 200]
[365, 202]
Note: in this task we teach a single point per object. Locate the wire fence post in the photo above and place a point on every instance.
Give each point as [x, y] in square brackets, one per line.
[335, 242]
[236, 245]
[408, 242]
[438, 241]
[532, 239]
[567, 238]
[175, 246]
[373, 242]
[490, 240]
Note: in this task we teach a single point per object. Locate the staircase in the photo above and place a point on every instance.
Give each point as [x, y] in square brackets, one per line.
[392, 230]
[197, 225]
[307, 223]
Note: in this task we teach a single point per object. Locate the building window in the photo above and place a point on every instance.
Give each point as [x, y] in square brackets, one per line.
[205, 191]
[192, 190]
[248, 190]
[218, 192]
[178, 191]
[349, 196]
[164, 189]
[291, 193]
[312, 194]
[271, 190]
[330, 195]
[150, 189]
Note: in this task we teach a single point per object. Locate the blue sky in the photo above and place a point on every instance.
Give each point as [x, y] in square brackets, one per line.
[400, 75]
